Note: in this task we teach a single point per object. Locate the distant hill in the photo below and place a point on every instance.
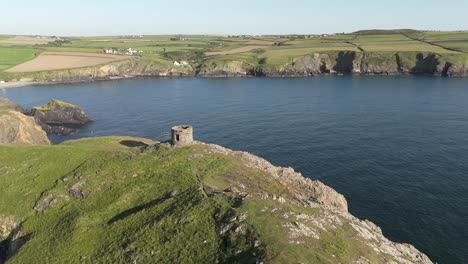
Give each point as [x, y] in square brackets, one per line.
[385, 31]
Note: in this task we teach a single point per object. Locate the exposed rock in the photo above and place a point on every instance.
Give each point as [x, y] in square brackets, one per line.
[17, 128]
[45, 203]
[76, 191]
[298, 230]
[6, 104]
[7, 225]
[378, 64]
[459, 70]
[304, 189]
[332, 212]
[229, 69]
[59, 117]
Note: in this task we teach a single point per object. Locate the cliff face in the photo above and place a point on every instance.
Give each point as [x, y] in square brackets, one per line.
[226, 69]
[372, 63]
[343, 62]
[131, 200]
[17, 128]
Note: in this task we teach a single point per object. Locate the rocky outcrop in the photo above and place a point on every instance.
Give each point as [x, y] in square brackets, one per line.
[378, 64]
[227, 69]
[456, 70]
[333, 210]
[302, 189]
[303, 66]
[59, 117]
[17, 128]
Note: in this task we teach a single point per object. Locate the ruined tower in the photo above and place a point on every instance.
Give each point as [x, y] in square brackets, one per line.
[182, 135]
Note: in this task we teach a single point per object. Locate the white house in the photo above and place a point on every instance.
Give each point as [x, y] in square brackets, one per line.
[181, 63]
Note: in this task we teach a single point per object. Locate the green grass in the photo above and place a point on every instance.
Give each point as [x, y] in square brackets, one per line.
[101, 226]
[154, 205]
[11, 56]
[53, 105]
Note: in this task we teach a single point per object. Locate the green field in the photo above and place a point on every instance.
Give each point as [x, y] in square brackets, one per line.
[11, 56]
[273, 52]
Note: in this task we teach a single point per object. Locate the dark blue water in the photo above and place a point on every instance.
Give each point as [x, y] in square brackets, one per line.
[396, 147]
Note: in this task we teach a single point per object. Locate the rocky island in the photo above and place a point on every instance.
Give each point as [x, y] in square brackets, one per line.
[133, 200]
[20, 126]
[58, 117]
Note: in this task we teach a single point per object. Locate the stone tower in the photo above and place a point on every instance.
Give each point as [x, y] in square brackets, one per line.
[182, 135]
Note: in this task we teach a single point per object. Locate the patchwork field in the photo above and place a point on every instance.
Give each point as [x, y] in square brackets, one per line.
[18, 53]
[64, 60]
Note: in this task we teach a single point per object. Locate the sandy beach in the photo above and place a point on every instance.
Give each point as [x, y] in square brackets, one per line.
[18, 84]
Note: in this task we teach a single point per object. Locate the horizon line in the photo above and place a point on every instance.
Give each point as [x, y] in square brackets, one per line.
[224, 34]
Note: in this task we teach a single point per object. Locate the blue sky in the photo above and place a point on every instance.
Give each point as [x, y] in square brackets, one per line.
[116, 17]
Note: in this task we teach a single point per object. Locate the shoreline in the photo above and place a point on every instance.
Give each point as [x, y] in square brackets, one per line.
[19, 84]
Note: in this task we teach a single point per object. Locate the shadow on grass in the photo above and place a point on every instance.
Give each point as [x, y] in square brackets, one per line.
[133, 143]
[137, 209]
[180, 203]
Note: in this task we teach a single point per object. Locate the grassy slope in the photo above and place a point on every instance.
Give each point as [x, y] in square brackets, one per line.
[156, 205]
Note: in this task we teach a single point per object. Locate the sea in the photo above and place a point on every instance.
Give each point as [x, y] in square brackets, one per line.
[395, 146]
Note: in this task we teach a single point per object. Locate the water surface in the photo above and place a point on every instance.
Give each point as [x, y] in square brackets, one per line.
[396, 147]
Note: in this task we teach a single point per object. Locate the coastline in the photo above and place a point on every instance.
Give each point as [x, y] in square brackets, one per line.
[19, 84]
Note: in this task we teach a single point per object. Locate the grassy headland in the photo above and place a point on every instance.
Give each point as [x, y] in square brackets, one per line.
[131, 200]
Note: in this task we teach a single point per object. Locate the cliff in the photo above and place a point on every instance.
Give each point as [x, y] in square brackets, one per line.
[369, 63]
[17, 128]
[120, 199]
[311, 64]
